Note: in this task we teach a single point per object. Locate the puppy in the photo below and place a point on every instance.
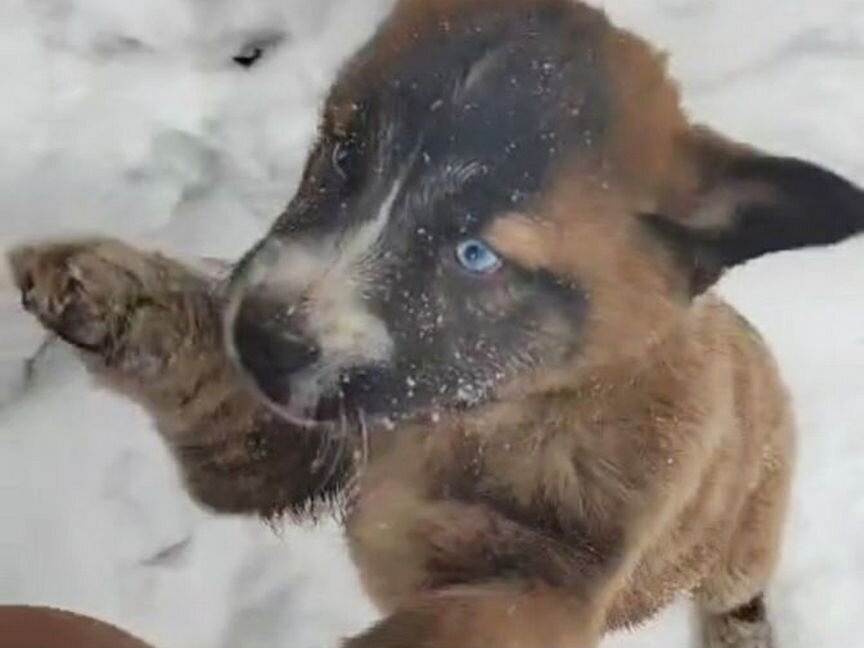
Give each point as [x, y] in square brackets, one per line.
[483, 328]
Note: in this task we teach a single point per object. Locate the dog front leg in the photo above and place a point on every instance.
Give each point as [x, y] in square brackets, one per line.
[151, 328]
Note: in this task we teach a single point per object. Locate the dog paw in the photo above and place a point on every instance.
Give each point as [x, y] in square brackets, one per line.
[730, 631]
[77, 290]
[131, 311]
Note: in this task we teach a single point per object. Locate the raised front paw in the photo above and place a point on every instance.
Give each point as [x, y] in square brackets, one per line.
[133, 310]
[75, 289]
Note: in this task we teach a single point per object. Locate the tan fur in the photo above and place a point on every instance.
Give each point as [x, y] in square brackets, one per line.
[701, 406]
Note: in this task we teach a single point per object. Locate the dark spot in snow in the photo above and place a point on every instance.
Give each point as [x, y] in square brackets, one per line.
[249, 56]
[169, 556]
[257, 48]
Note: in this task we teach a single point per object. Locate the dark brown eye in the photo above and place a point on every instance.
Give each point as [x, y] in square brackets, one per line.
[343, 158]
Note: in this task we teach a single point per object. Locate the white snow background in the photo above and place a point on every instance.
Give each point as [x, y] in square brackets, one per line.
[128, 118]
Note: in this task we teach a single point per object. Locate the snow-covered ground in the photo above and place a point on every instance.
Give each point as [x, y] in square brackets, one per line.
[129, 118]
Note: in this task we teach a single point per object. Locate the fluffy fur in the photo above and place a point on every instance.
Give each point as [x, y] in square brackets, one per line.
[646, 452]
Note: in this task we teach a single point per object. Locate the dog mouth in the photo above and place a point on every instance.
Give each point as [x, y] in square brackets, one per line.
[315, 398]
[373, 397]
[304, 403]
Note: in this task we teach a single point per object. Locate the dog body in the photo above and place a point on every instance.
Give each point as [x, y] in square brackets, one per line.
[484, 327]
[702, 421]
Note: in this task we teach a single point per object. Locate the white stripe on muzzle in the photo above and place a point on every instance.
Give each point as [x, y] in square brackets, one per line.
[326, 276]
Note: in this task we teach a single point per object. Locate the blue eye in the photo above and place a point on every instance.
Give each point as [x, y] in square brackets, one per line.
[477, 257]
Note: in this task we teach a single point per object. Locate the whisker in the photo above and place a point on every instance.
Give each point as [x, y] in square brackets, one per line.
[321, 453]
[364, 432]
[341, 438]
[361, 460]
[351, 489]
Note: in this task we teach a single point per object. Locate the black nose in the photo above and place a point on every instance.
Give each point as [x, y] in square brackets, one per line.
[269, 347]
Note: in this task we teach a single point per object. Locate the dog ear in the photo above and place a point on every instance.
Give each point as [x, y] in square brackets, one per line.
[744, 204]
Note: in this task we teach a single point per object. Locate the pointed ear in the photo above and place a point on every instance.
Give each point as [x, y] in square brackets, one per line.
[744, 204]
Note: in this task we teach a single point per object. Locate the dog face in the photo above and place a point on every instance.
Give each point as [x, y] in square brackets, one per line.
[502, 191]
